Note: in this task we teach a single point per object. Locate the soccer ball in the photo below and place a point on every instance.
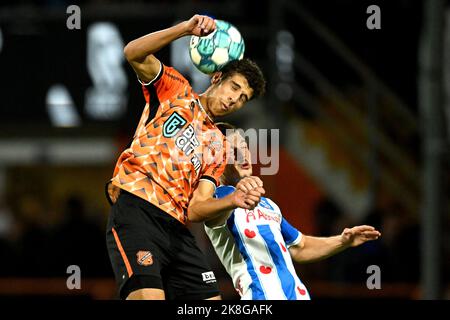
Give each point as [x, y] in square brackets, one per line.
[209, 54]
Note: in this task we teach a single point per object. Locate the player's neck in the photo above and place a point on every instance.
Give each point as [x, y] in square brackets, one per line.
[204, 104]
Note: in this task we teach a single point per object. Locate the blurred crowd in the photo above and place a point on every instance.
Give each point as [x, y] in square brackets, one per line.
[397, 252]
[37, 243]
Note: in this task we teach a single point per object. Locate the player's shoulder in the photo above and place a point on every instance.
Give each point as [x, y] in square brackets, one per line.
[173, 74]
[172, 85]
[268, 203]
[223, 191]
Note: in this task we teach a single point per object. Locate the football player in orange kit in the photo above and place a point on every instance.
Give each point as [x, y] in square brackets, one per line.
[169, 173]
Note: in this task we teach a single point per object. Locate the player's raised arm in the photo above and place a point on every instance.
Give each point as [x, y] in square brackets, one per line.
[312, 249]
[139, 52]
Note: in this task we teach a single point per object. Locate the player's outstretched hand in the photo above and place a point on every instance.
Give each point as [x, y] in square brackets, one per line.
[358, 235]
[200, 26]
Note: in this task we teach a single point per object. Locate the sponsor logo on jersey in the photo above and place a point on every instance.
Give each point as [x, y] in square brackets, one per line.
[187, 141]
[258, 214]
[208, 277]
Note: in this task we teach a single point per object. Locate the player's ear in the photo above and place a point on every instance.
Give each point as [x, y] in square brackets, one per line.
[216, 77]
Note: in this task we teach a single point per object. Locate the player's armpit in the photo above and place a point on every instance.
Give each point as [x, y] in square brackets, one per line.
[146, 70]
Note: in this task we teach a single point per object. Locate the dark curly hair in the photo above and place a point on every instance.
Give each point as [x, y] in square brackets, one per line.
[250, 70]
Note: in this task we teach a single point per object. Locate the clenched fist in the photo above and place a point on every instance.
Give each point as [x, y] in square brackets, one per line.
[200, 26]
[248, 192]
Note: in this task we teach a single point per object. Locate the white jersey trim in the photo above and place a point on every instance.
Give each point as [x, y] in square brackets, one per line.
[204, 179]
[151, 81]
[219, 226]
[296, 241]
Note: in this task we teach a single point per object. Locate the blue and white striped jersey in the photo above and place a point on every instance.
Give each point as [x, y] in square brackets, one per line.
[253, 247]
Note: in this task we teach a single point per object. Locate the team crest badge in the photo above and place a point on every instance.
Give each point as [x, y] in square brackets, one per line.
[172, 125]
[144, 258]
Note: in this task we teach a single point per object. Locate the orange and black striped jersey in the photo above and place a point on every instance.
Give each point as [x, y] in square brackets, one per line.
[176, 144]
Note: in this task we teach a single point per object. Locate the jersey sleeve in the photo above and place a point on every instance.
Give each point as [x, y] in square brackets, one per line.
[290, 234]
[168, 83]
[223, 191]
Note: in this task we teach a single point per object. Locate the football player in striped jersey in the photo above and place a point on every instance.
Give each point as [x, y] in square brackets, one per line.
[258, 247]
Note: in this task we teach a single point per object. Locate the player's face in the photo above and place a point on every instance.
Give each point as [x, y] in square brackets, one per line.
[242, 165]
[229, 95]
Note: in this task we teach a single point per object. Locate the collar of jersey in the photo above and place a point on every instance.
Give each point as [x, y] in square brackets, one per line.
[203, 109]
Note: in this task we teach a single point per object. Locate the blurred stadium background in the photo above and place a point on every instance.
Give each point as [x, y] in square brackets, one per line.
[363, 118]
